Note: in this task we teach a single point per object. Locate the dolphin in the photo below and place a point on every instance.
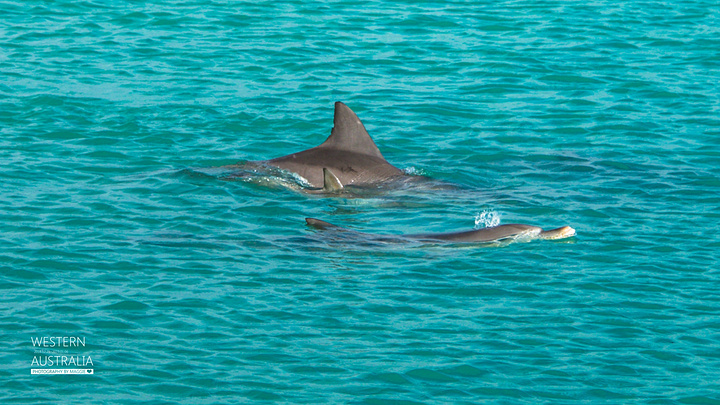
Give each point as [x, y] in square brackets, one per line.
[493, 234]
[347, 157]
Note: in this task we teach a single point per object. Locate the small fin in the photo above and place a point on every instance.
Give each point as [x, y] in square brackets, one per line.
[331, 184]
[349, 133]
[316, 223]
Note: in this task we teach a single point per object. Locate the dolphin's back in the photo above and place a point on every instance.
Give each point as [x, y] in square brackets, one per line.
[482, 235]
[348, 152]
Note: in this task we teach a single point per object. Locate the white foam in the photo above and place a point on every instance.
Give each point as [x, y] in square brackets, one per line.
[528, 235]
[487, 219]
[299, 179]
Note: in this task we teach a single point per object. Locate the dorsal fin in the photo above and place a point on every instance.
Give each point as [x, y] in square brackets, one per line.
[331, 183]
[316, 223]
[349, 133]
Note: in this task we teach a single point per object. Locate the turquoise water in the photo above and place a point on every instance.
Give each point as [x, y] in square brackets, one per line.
[189, 287]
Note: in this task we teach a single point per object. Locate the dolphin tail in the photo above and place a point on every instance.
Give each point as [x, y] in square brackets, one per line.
[331, 184]
[558, 233]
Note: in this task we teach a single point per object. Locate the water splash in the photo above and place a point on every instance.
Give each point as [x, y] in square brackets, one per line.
[414, 171]
[487, 219]
[256, 173]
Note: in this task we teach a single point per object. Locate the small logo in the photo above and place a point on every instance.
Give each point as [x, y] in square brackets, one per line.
[62, 371]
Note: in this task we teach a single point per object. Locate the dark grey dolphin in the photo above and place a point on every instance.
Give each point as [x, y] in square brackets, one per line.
[348, 155]
[496, 233]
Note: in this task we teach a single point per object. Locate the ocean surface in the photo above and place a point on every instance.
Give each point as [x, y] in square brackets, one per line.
[187, 285]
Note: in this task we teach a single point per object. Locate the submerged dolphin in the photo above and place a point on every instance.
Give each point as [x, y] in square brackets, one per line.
[347, 157]
[496, 233]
